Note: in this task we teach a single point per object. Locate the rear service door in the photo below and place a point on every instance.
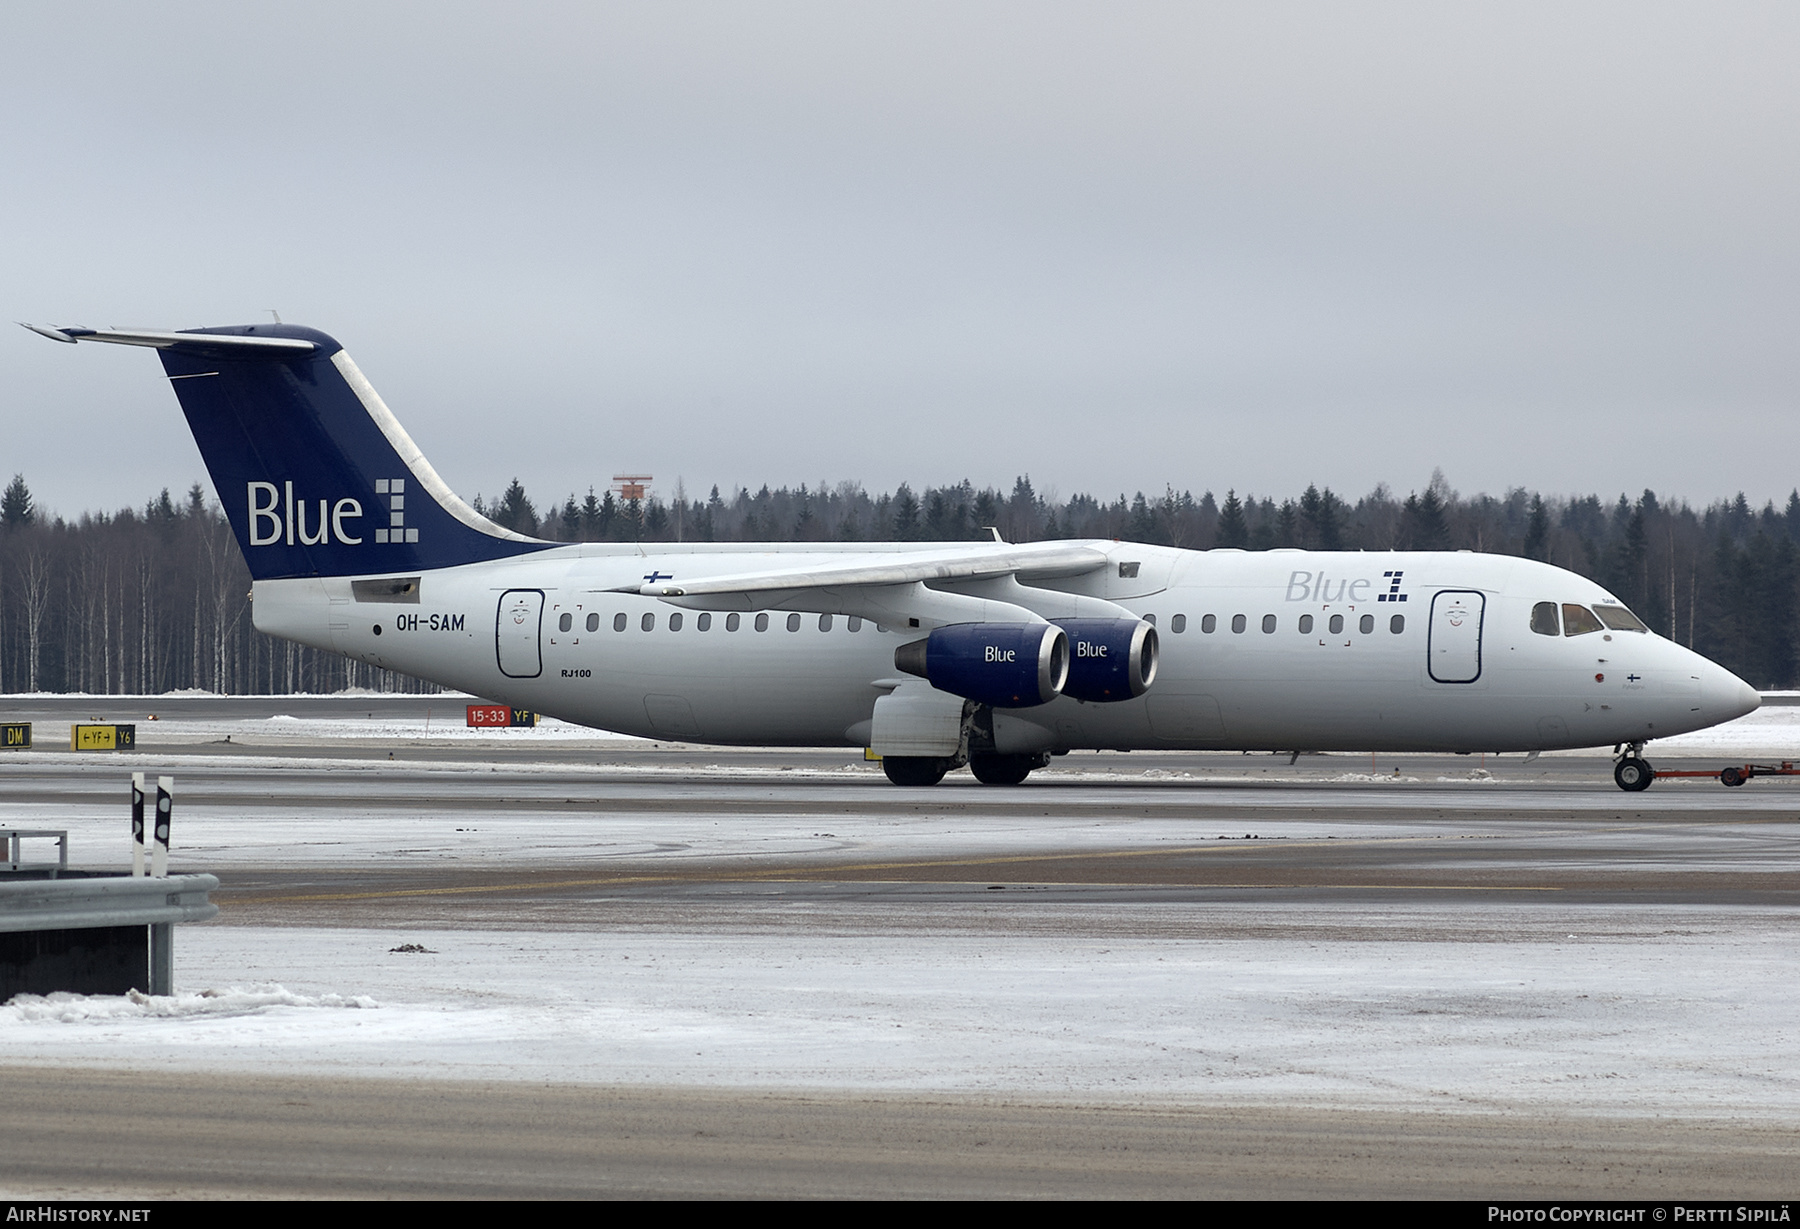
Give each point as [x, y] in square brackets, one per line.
[1453, 647]
[516, 633]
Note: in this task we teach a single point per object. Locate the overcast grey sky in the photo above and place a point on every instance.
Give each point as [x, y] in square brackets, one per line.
[1112, 246]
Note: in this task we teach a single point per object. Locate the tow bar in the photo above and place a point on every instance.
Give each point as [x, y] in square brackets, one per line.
[1732, 775]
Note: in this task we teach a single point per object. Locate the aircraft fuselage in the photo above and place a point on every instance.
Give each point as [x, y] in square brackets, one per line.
[1400, 651]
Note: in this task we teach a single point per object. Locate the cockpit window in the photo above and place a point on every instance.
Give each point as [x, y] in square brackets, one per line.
[1543, 619]
[1619, 619]
[1579, 620]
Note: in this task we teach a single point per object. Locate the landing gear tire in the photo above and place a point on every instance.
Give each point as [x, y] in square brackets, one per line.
[1002, 769]
[913, 769]
[1732, 777]
[1633, 774]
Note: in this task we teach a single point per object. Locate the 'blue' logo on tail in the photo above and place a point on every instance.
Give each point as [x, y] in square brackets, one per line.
[396, 530]
[282, 414]
[333, 486]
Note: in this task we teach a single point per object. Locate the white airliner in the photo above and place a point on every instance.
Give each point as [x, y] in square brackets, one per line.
[991, 655]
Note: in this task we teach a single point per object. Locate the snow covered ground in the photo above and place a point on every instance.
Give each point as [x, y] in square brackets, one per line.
[1682, 1010]
[1772, 731]
[1674, 1010]
[1686, 1012]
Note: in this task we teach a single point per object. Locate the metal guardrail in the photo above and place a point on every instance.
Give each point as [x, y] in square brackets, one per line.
[10, 839]
[77, 931]
[112, 900]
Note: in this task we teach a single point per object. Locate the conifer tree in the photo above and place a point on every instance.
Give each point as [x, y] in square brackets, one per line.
[1234, 530]
[1537, 531]
[16, 510]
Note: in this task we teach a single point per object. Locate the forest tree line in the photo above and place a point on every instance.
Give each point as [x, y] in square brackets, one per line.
[155, 599]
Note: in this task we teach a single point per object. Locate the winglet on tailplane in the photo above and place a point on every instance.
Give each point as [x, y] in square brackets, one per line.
[317, 476]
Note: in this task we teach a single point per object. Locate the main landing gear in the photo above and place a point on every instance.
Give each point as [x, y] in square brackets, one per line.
[914, 769]
[1632, 772]
[1004, 769]
[988, 769]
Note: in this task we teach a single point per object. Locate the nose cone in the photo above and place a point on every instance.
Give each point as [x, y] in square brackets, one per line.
[1724, 696]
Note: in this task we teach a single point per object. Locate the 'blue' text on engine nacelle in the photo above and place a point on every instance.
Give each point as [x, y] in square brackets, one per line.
[1008, 665]
[1109, 659]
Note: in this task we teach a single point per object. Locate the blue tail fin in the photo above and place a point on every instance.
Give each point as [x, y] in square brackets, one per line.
[317, 477]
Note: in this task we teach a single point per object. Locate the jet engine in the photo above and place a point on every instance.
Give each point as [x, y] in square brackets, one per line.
[1008, 665]
[1109, 659]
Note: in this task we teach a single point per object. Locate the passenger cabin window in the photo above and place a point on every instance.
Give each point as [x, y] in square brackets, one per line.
[1268, 624]
[1579, 620]
[1178, 624]
[1209, 624]
[566, 622]
[1238, 623]
[1619, 619]
[704, 623]
[593, 623]
[1336, 624]
[1366, 624]
[762, 622]
[648, 623]
[1397, 624]
[731, 622]
[793, 623]
[674, 622]
[1306, 625]
[619, 622]
[854, 623]
[1543, 619]
[825, 623]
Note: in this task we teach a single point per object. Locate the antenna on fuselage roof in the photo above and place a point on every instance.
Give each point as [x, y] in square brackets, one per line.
[996, 532]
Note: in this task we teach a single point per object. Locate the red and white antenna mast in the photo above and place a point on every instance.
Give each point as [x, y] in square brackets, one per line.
[631, 486]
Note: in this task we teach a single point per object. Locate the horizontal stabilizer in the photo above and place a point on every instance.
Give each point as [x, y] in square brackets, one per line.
[189, 343]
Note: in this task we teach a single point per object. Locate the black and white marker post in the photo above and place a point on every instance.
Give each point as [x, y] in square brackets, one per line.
[159, 856]
[162, 934]
[137, 825]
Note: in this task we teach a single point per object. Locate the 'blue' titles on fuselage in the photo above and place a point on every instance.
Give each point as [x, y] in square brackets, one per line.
[1317, 587]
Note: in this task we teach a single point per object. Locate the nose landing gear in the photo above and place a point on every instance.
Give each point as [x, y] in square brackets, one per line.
[1632, 772]
[1731, 776]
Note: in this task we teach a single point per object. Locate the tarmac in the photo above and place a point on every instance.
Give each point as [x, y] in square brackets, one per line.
[661, 970]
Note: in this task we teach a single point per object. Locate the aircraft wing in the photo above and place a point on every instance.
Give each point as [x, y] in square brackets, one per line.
[899, 588]
[963, 563]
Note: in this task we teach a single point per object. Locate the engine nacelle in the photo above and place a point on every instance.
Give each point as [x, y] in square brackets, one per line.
[1109, 659]
[1008, 665]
